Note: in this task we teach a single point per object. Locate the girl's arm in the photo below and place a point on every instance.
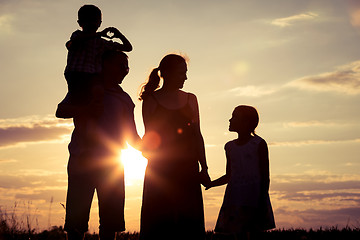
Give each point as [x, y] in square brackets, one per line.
[223, 179]
[264, 166]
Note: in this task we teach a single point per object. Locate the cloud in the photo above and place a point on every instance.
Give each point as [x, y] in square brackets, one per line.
[354, 12]
[312, 124]
[32, 129]
[312, 142]
[315, 199]
[288, 21]
[7, 161]
[314, 219]
[6, 24]
[345, 79]
[251, 91]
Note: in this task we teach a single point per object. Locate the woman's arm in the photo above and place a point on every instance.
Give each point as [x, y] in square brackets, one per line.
[199, 138]
[200, 145]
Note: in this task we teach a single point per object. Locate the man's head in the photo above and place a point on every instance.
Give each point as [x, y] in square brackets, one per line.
[115, 67]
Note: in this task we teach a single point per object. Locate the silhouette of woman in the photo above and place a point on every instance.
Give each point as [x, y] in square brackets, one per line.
[172, 206]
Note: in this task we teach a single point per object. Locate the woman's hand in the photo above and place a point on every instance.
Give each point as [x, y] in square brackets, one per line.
[205, 178]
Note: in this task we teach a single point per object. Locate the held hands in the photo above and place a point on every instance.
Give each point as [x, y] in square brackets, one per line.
[110, 32]
[210, 185]
[205, 178]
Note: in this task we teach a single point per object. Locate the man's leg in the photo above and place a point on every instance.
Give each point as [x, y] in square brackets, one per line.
[106, 235]
[73, 235]
[78, 203]
[110, 189]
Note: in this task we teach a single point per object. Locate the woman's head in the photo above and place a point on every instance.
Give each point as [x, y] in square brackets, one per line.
[172, 69]
[244, 119]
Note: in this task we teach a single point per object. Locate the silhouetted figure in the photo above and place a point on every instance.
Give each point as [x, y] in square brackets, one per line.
[246, 206]
[94, 161]
[85, 50]
[172, 206]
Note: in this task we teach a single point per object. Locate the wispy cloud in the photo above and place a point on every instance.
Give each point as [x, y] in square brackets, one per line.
[312, 200]
[288, 21]
[32, 129]
[354, 12]
[7, 161]
[311, 142]
[313, 124]
[252, 91]
[345, 79]
[6, 24]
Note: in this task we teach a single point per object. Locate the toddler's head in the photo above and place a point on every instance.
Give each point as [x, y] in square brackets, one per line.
[89, 18]
[244, 119]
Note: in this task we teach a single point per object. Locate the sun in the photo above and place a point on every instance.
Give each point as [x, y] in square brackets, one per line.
[134, 164]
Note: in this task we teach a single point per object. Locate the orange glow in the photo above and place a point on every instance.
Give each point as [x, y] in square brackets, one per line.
[134, 164]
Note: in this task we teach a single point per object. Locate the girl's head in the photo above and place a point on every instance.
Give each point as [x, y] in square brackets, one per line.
[172, 69]
[244, 120]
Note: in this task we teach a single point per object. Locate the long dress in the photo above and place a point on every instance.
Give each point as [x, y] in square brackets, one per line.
[245, 207]
[172, 206]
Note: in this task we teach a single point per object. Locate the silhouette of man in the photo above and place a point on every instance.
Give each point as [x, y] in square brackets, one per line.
[94, 155]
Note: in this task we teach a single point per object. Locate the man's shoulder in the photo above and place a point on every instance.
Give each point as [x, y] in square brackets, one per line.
[120, 96]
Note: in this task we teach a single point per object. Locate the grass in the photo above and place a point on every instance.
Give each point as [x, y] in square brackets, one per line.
[11, 228]
[58, 233]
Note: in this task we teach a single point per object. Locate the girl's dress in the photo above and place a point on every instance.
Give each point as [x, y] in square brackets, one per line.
[172, 206]
[244, 207]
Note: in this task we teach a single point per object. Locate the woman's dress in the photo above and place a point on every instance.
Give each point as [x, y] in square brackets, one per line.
[172, 206]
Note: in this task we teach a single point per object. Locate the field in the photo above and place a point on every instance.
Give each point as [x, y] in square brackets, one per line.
[11, 228]
[57, 233]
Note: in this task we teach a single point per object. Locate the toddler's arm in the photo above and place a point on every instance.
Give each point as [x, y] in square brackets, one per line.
[125, 46]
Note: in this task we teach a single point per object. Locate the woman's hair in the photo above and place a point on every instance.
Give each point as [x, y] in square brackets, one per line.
[167, 64]
[250, 114]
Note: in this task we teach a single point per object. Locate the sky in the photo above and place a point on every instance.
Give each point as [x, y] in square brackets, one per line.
[297, 62]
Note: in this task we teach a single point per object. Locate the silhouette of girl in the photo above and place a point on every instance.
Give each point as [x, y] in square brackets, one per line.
[172, 206]
[246, 207]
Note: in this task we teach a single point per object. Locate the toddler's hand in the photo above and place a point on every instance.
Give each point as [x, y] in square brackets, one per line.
[110, 32]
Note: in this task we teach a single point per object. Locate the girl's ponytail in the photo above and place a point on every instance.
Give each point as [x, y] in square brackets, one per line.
[151, 85]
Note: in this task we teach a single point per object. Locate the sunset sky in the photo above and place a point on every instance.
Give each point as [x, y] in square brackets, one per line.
[296, 61]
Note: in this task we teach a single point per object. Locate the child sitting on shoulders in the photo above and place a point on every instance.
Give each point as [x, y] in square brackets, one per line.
[246, 206]
[85, 52]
